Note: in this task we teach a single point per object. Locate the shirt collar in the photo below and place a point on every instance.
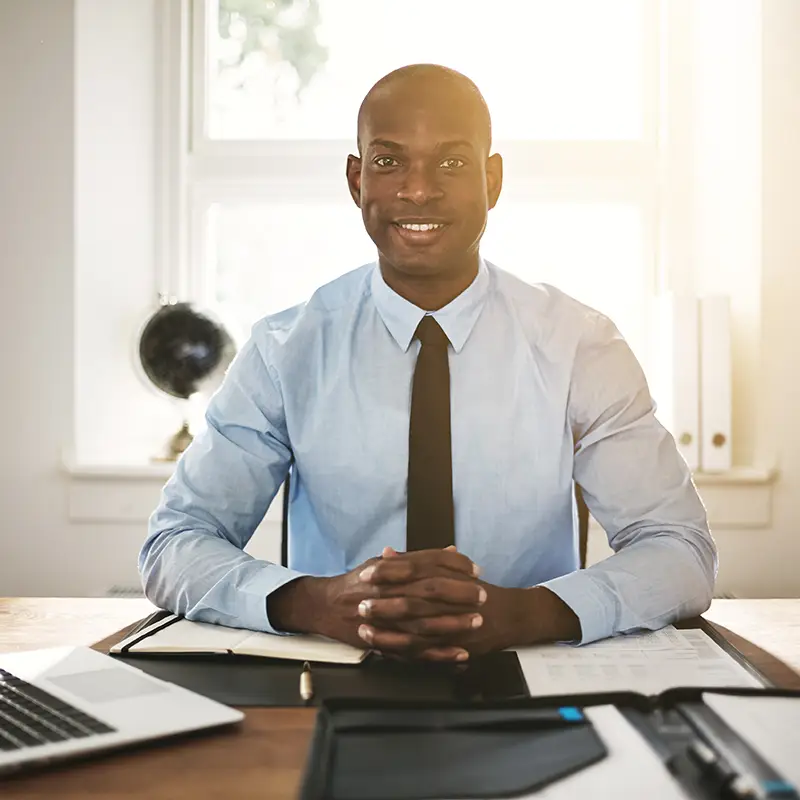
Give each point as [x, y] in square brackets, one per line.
[456, 319]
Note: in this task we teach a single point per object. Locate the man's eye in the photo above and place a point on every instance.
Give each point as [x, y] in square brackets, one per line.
[385, 161]
[452, 163]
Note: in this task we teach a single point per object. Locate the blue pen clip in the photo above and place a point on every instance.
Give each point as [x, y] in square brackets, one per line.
[776, 789]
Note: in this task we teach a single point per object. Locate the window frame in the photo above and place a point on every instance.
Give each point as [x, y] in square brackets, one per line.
[197, 171]
[688, 254]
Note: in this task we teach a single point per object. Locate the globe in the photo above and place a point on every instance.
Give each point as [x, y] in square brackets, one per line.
[184, 351]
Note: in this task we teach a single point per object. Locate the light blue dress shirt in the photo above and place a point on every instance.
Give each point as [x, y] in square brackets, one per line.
[544, 391]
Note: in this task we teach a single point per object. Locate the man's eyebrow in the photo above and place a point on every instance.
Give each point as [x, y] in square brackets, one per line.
[386, 143]
[456, 144]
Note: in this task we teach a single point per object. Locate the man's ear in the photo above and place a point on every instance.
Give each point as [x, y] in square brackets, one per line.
[494, 178]
[353, 172]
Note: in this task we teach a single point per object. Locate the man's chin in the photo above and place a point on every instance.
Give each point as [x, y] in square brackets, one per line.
[418, 263]
[417, 268]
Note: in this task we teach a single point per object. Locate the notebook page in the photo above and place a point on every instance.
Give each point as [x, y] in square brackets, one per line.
[191, 637]
[631, 768]
[648, 662]
[768, 724]
[302, 647]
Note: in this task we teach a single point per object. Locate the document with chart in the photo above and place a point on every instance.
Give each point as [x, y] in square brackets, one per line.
[648, 663]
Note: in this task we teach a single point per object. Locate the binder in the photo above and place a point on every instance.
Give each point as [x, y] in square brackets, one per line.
[677, 746]
[715, 383]
[677, 372]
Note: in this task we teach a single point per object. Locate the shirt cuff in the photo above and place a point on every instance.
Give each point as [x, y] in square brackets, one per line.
[579, 592]
[255, 594]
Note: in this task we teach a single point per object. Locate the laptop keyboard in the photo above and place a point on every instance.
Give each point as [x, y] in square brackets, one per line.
[30, 717]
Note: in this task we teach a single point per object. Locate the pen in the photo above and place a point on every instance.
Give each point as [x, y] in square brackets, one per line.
[306, 686]
[737, 771]
[735, 784]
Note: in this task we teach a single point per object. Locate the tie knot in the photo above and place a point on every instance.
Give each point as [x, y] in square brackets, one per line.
[429, 332]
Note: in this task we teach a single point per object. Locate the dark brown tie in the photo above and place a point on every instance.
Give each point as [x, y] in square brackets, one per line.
[430, 469]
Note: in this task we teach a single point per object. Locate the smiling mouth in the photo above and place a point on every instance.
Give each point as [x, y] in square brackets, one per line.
[420, 233]
[420, 227]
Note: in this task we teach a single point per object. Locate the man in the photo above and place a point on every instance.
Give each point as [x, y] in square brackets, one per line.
[435, 412]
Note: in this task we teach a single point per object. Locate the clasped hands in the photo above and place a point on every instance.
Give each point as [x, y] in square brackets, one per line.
[428, 605]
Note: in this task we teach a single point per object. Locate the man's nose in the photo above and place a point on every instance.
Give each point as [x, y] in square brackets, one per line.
[420, 186]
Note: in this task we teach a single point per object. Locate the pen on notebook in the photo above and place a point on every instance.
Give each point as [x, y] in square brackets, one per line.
[739, 772]
[306, 686]
[735, 783]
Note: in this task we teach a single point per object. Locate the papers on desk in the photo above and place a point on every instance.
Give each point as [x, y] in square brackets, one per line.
[648, 663]
[768, 724]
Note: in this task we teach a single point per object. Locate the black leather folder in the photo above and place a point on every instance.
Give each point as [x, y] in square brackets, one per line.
[257, 681]
[364, 750]
[372, 750]
[250, 681]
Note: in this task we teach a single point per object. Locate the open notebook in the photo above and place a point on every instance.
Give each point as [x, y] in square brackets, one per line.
[165, 633]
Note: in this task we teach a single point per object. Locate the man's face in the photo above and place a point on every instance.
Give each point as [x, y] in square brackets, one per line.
[424, 182]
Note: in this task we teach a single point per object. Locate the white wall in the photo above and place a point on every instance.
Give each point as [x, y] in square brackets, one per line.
[76, 217]
[77, 277]
[36, 272]
[767, 562]
[72, 191]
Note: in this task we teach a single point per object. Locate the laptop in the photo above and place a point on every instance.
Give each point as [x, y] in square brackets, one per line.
[66, 702]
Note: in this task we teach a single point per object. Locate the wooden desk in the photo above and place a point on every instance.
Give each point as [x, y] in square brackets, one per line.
[264, 757]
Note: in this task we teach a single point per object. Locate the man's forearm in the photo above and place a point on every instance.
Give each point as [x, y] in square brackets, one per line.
[542, 616]
[658, 578]
[295, 606]
[207, 578]
[521, 617]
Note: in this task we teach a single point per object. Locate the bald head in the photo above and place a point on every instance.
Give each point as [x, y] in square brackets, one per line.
[417, 84]
[424, 180]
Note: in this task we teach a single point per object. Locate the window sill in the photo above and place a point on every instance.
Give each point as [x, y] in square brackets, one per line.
[738, 476]
[125, 493]
[162, 470]
[155, 471]
[739, 498]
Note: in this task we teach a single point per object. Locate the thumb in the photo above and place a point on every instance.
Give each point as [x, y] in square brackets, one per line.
[450, 547]
[388, 552]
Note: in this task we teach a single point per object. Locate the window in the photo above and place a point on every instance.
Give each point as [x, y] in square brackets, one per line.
[568, 70]
[261, 215]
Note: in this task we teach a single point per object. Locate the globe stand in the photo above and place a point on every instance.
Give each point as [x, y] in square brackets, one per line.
[191, 410]
[178, 442]
[175, 446]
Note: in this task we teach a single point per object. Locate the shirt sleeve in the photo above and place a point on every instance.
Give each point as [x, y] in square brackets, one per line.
[638, 487]
[193, 562]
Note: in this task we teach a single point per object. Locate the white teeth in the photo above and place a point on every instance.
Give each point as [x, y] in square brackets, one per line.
[425, 226]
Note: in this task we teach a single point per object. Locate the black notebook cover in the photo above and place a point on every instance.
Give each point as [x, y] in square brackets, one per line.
[254, 681]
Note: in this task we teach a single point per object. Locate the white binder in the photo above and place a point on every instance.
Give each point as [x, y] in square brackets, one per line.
[677, 372]
[715, 383]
